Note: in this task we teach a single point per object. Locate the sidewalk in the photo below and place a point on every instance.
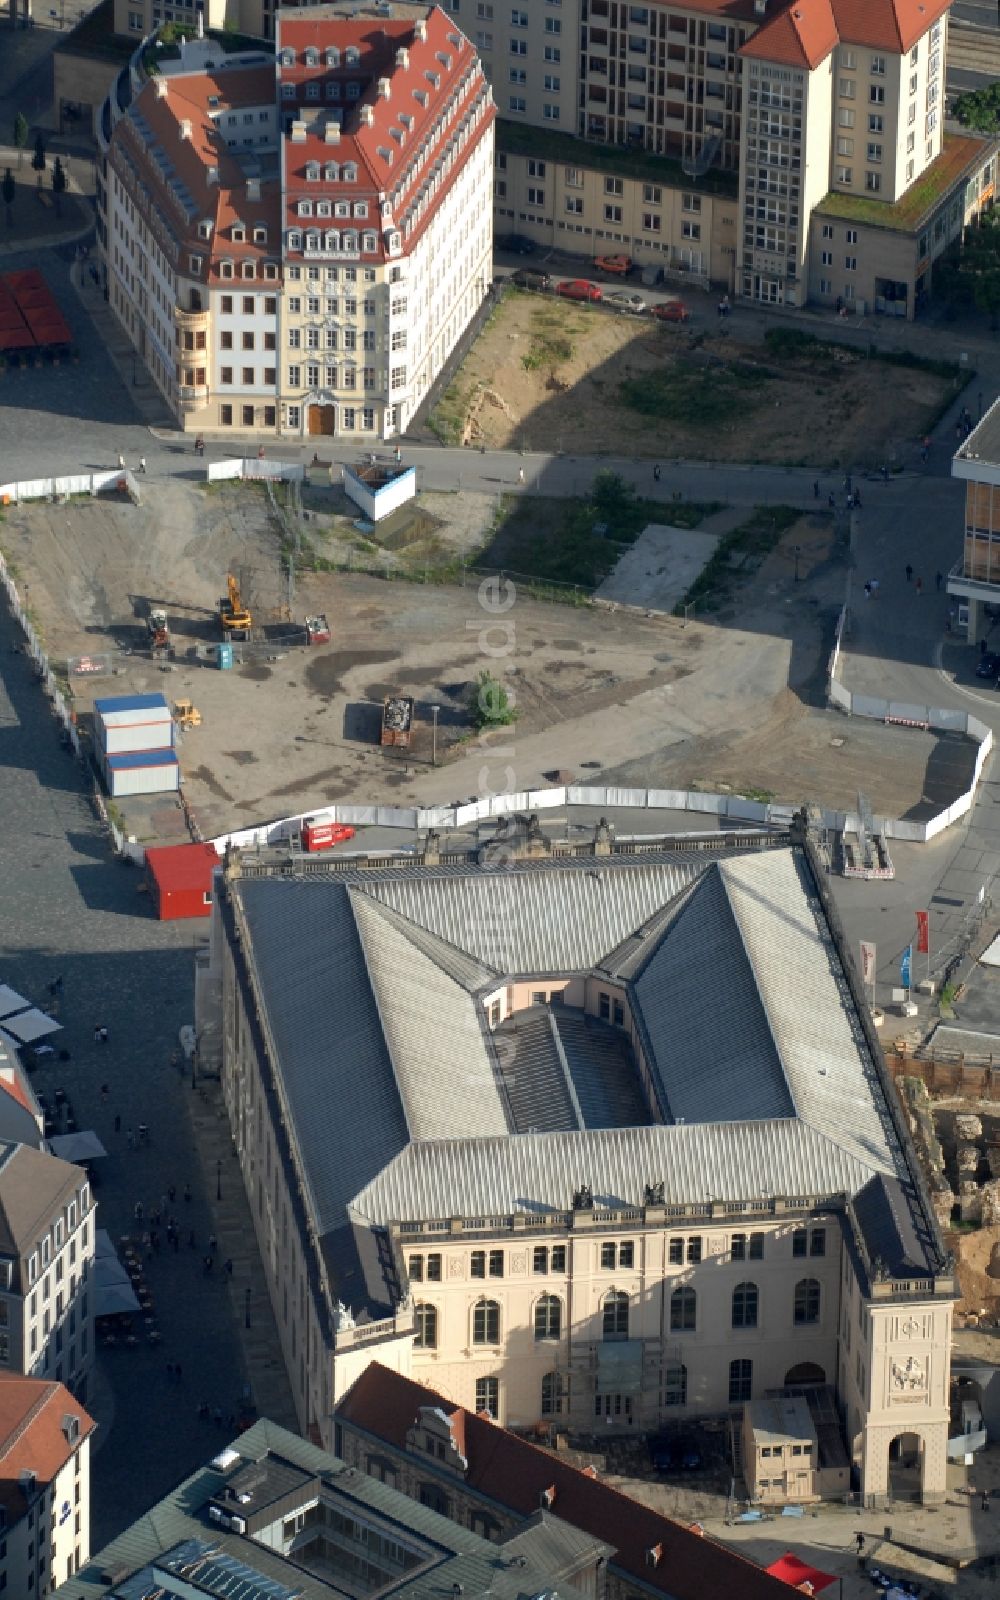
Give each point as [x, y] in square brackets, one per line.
[131, 370]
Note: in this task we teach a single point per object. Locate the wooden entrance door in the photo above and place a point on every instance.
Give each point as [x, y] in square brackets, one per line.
[323, 419]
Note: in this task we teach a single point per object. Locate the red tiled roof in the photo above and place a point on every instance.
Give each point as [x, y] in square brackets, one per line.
[894, 25]
[800, 36]
[31, 1435]
[514, 1473]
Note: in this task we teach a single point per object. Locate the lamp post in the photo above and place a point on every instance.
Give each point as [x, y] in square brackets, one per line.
[434, 737]
[218, 1179]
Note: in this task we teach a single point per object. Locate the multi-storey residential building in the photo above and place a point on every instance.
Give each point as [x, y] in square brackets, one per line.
[491, 1136]
[296, 248]
[387, 169]
[47, 1223]
[272, 1515]
[44, 1485]
[974, 580]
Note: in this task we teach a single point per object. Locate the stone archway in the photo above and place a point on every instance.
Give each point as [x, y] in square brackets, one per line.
[906, 1466]
[805, 1375]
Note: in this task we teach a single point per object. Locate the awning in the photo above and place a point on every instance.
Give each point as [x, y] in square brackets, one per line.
[117, 1300]
[83, 1146]
[795, 1572]
[108, 1272]
[103, 1245]
[10, 1001]
[30, 1025]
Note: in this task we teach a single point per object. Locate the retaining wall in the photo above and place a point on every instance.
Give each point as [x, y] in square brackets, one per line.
[255, 469]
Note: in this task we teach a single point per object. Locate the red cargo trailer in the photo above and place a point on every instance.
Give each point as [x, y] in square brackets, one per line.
[318, 835]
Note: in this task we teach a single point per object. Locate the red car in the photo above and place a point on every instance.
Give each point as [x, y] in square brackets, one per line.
[579, 289]
[621, 266]
[317, 835]
[670, 311]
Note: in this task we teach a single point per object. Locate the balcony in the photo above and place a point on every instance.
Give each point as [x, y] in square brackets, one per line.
[191, 321]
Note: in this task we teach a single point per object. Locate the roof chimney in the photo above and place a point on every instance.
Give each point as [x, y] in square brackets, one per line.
[383, 88]
[368, 116]
[654, 1555]
[420, 32]
[298, 133]
[760, 6]
[402, 57]
[253, 188]
[548, 1497]
[161, 88]
[211, 175]
[331, 133]
[185, 129]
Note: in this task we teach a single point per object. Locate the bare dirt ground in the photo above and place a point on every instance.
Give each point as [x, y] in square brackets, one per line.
[547, 374]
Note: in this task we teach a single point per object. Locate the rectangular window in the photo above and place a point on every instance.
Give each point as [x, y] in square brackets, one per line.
[295, 377]
[845, 117]
[551, 83]
[876, 94]
[874, 152]
[540, 1259]
[676, 1252]
[248, 417]
[845, 175]
[550, 112]
[740, 1382]
[800, 1242]
[614, 186]
[817, 1242]
[553, 25]
[496, 1263]
[553, 54]
[558, 1258]
[875, 122]
[846, 88]
[873, 182]
[608, 1255]
[477, 1264]
[516, 102]
[845, 147]
[878, 66]
[226, 416]
[488, 1396]
[626, 1253]
[694, 1250]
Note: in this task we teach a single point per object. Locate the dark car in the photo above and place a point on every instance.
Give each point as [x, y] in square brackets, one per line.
[988, 665]
[675, 1453]
[526, 279]
[516, 244]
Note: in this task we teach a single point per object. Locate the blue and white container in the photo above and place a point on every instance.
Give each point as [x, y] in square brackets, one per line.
[141, 772]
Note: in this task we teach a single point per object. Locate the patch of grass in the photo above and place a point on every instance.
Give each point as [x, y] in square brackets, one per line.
[447, 419]
[746, 546]
[695, 396]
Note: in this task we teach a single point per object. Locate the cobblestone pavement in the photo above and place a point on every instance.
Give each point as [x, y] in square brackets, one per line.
[69, 909]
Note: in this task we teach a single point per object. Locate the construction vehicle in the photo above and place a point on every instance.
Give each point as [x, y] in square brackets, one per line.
[234, 618]
[159, 632]
[318, 835]
[186, 715]
[397, 719]
[317, 630]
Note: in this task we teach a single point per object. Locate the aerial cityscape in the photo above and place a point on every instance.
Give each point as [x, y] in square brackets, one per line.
[499, 673]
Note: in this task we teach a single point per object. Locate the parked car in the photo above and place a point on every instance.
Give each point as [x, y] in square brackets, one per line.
[675, 1453]
[621, 266]
[526, 279]
[516, 244]
[627, 302]
[579, 289]
[988, 665]
[670, 311]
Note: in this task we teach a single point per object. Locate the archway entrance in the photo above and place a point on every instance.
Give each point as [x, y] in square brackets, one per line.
[806, 1375]
[322, 419]
[906, 1466]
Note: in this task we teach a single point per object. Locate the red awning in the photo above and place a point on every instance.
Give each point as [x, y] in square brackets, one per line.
[795, 1572]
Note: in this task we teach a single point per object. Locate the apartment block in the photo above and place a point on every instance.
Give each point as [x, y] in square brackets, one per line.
[974, 580]
[507, 1179]
[295, 244]
[44, 1485]
[47, 1241]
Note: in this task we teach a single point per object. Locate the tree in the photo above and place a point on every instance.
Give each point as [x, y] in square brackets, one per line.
[492, 705]
[38, 159]
[979, 109]
[21, 132]
[58, 185]
[9, 190]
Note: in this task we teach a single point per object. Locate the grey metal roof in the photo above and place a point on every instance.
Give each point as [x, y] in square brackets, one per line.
[539, 1172]
[337, 1076]
[434, 1033]
[703, 1017]
[557, 1547]
[540, 917]
[458, 964]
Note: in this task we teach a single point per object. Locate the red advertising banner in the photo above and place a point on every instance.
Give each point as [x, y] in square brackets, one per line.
[923, 932]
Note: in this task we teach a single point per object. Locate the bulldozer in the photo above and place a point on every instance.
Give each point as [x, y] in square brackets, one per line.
[234, 618]
[159, 632]
[186, 715]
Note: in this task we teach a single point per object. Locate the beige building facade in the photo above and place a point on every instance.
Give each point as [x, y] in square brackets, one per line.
[45, 1439]
[502, 1259]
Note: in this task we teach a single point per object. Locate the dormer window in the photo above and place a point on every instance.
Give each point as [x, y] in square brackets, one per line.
[239, 233]
[248, 269]
[361, 208]
[312, 172]
[260, 235]
[332, 172]
[333, 90]
[332, 241]
[312, 57]
[288, 58]
[294, 240]
[349, 172]
[312, 91]
[225, 269]
[204, 230]
[312, 241]
[351, 243]
[341, 209]
[305, 208]
[288, 91]
[370, 243]
[352, 55]
[332, 56]
[323, 208]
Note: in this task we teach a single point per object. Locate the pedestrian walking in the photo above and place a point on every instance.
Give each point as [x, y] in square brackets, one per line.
[104, 1035]
[171, 1195]
[206, 1265]
[939, 581]
[520, 474]
[97, 1034]
[143, 1133]
[885, 473]
[909, 573]
[919, 585]
[831, 500]
[868, 590]
[137, 1211]
[105, 1094]
[229, 1266]
[121, 462]
[213, 1243]
[130, 1136]
[874, 584]
[656, 473]
[187, 1191]
[859, 1540]
[857, 499]
[142, 463]
[399, 455]
[260, 452]
[118, 1122]
[816, 489]
[984, 1504]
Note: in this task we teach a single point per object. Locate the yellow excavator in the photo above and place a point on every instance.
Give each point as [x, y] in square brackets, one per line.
[234, 618]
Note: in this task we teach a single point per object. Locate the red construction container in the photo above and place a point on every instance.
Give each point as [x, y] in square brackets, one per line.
[324, 835]
[180, 880]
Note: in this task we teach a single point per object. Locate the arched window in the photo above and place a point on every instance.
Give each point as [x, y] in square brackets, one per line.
[616, 1314]
[675, 1385]
[548, 1317]
[806, 1301]
[486, 1322]
[552, 1394]
[745, 1305]
[426, 1319]
[683, 1309]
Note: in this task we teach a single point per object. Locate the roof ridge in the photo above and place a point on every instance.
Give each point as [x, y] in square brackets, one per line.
[427, 941]
[724, 879]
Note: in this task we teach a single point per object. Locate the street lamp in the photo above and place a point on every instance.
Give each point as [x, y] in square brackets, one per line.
[218, 1179]
[434, 744]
